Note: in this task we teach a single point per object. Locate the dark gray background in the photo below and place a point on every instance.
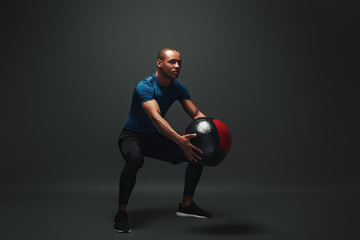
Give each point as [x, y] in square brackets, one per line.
[283, 75]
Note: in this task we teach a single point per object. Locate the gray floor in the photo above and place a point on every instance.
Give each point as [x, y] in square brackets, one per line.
[243, 212]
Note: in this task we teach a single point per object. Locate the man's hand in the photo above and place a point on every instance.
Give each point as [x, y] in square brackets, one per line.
[188, 148]
[152, 109]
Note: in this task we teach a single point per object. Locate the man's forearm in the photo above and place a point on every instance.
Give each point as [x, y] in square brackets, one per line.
[182, 141]
[192, 110]
[198, 114]
[165, 128]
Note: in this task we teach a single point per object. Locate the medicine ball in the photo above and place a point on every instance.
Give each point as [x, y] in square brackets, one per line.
[213, 138]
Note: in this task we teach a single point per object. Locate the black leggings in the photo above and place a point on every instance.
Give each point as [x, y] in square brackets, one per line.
[134, 146]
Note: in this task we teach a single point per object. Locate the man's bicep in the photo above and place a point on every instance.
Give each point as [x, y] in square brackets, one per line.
[151, 107]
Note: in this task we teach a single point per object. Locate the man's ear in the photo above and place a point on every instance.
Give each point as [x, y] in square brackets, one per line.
[159, 62]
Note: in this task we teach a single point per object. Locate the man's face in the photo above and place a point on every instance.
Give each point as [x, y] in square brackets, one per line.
[170, 64]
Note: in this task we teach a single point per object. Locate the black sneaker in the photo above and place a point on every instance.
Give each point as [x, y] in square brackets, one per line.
[120, 223]
[192, 211]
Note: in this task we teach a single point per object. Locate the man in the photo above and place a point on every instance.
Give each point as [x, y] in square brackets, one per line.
[147, 133]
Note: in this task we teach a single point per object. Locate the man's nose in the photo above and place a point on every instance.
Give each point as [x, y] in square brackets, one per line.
[177, 65]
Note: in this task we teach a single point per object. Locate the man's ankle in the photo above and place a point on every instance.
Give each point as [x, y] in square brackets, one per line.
[186, 201]
[122, 208]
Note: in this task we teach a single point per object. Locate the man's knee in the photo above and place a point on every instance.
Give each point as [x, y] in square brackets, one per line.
[134, 159]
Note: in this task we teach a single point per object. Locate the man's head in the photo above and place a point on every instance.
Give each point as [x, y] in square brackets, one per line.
[169, 62]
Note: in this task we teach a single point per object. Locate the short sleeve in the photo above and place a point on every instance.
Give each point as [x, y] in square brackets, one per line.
[144, 91]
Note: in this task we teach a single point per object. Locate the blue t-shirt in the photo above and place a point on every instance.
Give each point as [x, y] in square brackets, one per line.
[149, 89]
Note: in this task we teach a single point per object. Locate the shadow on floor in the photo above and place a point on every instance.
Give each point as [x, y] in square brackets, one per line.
[145, 217]
[223, 225]
[228, 229]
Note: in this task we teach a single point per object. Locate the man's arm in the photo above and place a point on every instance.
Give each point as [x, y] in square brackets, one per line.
[191, 109]
[152, 110]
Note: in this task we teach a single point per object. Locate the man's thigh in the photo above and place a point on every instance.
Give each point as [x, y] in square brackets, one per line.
[162, 148]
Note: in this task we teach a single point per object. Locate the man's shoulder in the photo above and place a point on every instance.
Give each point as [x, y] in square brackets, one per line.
[147, 82]
[146, 86]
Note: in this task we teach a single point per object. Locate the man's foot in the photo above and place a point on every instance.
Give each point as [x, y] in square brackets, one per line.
[120, 223]
[192, 211]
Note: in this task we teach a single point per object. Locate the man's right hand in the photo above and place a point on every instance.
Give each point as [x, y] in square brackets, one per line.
[188, 148]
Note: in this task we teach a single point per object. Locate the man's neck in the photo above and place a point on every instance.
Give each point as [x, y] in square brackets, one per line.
[162, 79]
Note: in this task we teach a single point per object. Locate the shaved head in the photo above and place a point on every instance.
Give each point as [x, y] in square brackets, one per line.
[162, 52]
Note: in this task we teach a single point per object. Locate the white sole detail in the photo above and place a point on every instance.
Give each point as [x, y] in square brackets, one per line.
[180, 214]
[121, 231]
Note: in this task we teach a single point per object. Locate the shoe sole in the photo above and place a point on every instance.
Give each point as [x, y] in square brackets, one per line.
[180, 214]
[121, 231]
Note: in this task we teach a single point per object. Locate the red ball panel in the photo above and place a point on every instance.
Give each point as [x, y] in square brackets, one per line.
[224, 135]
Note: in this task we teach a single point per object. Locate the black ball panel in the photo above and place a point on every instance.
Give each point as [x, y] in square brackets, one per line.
[207, 140]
